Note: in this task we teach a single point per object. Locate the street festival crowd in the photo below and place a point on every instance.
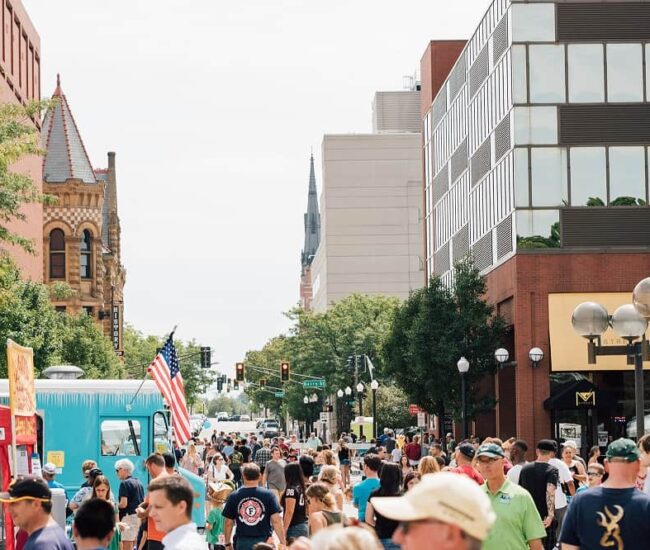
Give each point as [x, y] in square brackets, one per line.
[415, 494]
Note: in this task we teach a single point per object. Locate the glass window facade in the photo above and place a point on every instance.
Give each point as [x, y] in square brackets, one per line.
[548, 171]
[535, 125]
[588, 176]
[626, 173]
[546, 69]
[624, 72]
[586, 73]
[533, 23]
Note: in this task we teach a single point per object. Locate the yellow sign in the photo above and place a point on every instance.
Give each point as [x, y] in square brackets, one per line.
[20, 367]
[57, 458]
[568, 350]
[585, 399]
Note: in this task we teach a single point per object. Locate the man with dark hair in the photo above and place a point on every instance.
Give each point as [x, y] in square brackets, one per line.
[518, 452]
[30, 505]
[464, 455]
[170, 463]
[155, 464]
[255, 511]
[94, 524]
[170, 507]
[361, 491]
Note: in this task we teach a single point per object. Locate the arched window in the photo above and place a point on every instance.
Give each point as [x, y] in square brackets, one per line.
[57, 254]
[85, 264]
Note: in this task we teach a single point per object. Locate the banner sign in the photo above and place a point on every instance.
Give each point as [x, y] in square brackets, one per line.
[22, 396]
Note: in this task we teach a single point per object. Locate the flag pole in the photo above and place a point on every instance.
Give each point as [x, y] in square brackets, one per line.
[144, 378]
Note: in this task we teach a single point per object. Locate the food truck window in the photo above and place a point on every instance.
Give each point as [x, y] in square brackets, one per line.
[120, 437]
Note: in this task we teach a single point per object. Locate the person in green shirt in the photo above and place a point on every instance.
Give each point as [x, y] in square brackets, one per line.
[518, 525]
[214, 524]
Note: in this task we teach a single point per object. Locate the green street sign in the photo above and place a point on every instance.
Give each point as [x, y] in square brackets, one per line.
[313, 383]
[279, 394]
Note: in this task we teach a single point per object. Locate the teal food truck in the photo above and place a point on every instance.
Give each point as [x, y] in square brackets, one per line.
[103, 420]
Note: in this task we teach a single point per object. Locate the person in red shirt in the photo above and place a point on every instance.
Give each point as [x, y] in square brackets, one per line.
[413, 450]
[464, 456]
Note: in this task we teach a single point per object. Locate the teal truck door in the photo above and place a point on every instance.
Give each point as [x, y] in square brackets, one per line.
[124, 437]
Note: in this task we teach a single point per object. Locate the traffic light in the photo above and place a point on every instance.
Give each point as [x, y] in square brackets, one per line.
[350, 362]
[220, 384]
[206, 357]
[262, 382]
[240, 372]
[229, 385]
[235, 384]
[361, 362]
[285, 371]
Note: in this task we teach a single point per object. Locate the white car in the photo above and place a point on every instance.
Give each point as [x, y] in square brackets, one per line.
[267, 428]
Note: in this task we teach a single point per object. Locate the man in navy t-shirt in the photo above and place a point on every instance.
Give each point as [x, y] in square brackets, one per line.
[254, 510]
[615, 514]
[30, 504]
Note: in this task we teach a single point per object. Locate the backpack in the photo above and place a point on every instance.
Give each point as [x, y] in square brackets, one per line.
[236, 459]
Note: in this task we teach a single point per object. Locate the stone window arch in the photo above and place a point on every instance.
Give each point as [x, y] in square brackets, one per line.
[86, 255]
[57, 254]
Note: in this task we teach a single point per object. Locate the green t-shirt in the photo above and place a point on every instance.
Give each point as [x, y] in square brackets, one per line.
[518, 520]
[216, 521]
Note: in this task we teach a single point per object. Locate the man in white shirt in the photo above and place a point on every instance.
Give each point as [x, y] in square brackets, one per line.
[314, 442]
[170, 507]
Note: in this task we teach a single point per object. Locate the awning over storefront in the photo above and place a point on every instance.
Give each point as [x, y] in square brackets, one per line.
[577, 395]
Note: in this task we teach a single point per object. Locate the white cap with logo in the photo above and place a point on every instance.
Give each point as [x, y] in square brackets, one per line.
[445, 496]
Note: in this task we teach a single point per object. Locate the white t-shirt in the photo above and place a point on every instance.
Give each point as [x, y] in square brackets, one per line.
[395, 455]
[219, 474]
[513, 473]
[565, 476]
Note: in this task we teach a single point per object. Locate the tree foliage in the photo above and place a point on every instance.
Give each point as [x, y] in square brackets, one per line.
[432, 330]
[28, 317]
[139, 351]
[19, 138]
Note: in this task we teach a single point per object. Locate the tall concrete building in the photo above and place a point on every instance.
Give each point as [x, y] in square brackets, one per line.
[312, 239]
[371, 207]
[20, 82]
[536, 163]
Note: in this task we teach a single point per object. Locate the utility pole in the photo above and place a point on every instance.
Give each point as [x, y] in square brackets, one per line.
[359, 394]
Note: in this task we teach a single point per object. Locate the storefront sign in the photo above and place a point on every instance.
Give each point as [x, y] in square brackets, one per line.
[568, 350]
[585, 399]
[603, 439]
[57, 458]
[22, 396]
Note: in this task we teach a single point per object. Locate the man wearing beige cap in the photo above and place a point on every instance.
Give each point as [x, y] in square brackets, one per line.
[445, 511]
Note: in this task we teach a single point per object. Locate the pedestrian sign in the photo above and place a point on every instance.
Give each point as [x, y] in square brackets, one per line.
[279, 393]
[320, 383]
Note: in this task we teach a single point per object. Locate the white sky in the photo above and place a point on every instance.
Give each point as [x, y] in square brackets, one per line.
[212, 108]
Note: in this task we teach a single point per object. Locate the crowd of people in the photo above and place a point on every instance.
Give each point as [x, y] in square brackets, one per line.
[283, 493]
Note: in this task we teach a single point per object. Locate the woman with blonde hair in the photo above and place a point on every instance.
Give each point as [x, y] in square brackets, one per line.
[191, 461]
[331, 477]
[323, 510]
[428, 465]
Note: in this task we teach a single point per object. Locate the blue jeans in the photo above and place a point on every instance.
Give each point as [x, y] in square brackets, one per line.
[388, 544]
[298, 530]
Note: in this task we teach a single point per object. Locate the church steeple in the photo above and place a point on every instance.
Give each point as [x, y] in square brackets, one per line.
[312, 220]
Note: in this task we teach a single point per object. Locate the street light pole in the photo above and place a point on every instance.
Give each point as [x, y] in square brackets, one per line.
[463, 367]
[373, 386]
[360, 396]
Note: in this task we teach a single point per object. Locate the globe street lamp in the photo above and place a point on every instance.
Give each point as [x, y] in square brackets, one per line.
[463, 367]
[630, 321]
[373, 386]
[339, 411]
[305, 400]
[360, 389]
[501, 355]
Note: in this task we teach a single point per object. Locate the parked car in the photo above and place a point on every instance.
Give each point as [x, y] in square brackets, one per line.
[234, 418]
[244, 418]
[222, 416]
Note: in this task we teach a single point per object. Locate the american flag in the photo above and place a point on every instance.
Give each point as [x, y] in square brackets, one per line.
[165, 371]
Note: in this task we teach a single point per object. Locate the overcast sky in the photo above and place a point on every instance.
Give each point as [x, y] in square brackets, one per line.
[212, 108]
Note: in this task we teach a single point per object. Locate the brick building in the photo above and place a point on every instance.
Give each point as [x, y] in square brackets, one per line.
[535, 164]
[81, 231]
[20, 82]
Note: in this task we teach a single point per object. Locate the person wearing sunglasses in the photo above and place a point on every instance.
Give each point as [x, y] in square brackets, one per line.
[595, 473]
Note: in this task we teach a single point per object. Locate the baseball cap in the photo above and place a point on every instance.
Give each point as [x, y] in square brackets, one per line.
[445, 497]
[547, 445]
[492, 450]
[49, 468]
[449, 435]
[27, 488]
[624, 449]
[467, 449]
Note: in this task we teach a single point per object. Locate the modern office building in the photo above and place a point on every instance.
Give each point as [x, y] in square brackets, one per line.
[371, 208]
[20, 82]
[536, 164]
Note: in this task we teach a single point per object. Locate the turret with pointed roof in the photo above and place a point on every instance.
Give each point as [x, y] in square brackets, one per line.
[312, 220]
[81, 231]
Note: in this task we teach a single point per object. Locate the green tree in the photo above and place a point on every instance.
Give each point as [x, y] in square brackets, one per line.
[392, 407]
[432, 330]
[18, 138]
